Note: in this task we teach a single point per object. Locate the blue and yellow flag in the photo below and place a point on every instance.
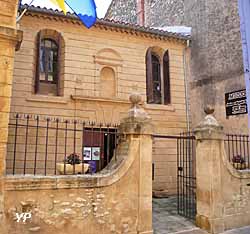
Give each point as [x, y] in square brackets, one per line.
[61, 4]
[84, 9]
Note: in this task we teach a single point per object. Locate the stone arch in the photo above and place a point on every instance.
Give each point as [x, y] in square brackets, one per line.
[109, 53]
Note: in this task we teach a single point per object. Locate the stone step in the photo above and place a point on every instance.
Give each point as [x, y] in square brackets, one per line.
[191, 231]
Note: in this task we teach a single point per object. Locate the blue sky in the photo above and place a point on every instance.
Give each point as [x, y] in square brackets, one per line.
[102, 5]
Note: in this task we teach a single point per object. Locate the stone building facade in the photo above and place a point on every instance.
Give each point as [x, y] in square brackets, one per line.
[216, 65]
[99, 69]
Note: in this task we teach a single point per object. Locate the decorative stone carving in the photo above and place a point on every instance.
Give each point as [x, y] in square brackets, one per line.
[209, 127]
[137, 121]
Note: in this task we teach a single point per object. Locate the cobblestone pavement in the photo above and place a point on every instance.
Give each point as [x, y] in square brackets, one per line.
[165, 217]
[167, 221]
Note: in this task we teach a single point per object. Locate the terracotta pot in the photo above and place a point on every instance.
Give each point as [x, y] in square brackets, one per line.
[69, 169]
[240, 166]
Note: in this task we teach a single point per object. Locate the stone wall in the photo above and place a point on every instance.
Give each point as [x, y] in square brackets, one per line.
[216, 58]
[10, 39]
[117, 200]
[160, 13]
[223, 193]
[124, 11]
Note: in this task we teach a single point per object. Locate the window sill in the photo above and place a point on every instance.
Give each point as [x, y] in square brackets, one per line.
[99, 99]
[159, 107]
[47, 99]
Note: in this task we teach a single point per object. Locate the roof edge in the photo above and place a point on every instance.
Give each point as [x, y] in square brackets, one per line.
[108, 23]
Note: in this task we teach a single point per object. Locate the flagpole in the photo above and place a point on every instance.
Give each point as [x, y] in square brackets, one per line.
[21, 15]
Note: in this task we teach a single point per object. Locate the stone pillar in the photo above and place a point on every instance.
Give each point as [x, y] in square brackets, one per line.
[9, 38]
[138, 125]
[210, 140]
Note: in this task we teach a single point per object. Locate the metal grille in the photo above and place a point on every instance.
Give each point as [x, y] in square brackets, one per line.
[186, 176]
[238, 151]
[50, 146]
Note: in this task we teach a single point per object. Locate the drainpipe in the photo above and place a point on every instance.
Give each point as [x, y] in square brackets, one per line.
[141, 12]
[186, 85]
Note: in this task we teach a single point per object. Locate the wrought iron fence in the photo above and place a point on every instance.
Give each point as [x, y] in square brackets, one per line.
[186, 175]
[40, 145]
[238, 151]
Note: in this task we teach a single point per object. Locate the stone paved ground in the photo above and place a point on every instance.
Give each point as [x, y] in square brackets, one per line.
[167, 221]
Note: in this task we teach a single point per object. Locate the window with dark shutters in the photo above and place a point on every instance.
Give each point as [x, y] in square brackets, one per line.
[166, 79]
[158, 86]
[149, 77]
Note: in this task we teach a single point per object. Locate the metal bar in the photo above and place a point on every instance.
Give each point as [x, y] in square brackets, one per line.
[108, 144]
[65, 145]
[174, 137]
[178, 178]
[26, 143]
[56, 143]
[15, 143]
[74, 167]
[100, 163]
[83, 128]
[46, 146]
[37, 132]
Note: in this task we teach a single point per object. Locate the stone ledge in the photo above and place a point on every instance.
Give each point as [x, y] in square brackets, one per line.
[159, 107]
[98, 99]
[50, 99]
[30, 182]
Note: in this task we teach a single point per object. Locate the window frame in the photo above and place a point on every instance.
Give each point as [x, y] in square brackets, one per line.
[52, 35]
[163, 74]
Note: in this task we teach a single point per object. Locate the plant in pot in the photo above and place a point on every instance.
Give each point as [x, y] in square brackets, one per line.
[239, 162]
[72, 165]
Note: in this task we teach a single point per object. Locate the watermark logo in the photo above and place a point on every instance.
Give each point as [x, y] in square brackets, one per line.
[23, 216]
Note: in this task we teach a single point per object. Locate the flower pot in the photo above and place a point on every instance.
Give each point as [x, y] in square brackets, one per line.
[69, 169]
[240, 166]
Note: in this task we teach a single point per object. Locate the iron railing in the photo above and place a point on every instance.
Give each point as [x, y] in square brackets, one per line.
[40, 145]
[238, 151]
[186, 175]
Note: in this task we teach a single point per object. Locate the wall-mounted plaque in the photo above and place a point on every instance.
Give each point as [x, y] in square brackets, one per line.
[236, 103]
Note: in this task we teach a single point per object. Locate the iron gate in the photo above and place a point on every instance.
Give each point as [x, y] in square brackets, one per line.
[186, 175]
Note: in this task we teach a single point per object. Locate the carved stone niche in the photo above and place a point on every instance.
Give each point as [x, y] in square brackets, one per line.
[108, 65]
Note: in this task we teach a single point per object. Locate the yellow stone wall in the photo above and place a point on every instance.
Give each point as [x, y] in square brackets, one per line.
[86, 53]
[8, 42]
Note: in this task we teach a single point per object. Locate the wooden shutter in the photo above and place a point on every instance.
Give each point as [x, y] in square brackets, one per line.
[166, 79]
[149, 77]
[37, 77]
[59, 63]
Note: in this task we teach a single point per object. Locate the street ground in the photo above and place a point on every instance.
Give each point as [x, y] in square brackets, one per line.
[167, 221]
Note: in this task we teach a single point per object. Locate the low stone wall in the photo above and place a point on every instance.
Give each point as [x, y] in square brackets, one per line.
[223, 193]
[116, 200]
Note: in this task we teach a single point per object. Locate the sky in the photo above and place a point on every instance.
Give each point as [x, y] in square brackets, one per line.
[102, 5]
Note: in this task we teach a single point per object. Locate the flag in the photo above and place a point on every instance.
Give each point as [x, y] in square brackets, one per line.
[85, 10]
[61, 4]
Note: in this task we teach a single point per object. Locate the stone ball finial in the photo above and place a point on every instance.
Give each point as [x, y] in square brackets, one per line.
[135, 98]
[209, 110]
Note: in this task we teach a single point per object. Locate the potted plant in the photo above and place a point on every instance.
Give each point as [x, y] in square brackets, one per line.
[239, 162]
[72, 165]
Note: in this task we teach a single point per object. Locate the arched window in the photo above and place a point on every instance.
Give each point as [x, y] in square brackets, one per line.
[158, 82]
[48, 63]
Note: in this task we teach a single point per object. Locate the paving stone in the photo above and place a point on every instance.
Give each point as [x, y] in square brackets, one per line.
[167, 221]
